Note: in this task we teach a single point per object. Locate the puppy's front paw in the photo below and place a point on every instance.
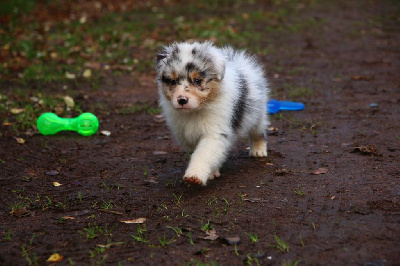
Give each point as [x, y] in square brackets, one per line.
[193, 181]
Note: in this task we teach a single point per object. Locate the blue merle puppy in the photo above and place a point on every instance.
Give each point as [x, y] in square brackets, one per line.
[210, 97]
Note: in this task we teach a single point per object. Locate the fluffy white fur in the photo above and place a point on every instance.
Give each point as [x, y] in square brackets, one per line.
[207, 119]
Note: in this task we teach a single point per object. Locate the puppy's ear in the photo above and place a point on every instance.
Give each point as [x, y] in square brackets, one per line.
[161, 56]
[219, 67]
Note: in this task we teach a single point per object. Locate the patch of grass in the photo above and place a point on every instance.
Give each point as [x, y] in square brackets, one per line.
[29, 260]
[106, 205]
[290, 263]
[205, 226]
[280, 244]
[176, 229]
[299, 192]
[141, 235]
[164, 241]
[190, 238]
[177, 199]
[91, 231]
[88, 232]
[298, 92]
[253, 237]
[7, 236]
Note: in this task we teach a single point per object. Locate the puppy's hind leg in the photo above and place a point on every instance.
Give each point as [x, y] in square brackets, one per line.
[258, 143]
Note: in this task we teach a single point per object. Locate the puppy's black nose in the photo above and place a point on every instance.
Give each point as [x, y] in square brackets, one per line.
[182, 100]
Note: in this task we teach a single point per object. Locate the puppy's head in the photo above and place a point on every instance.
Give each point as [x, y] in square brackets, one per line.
[189, 75]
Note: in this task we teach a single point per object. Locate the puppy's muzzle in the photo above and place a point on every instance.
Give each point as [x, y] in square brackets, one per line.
[182, 100]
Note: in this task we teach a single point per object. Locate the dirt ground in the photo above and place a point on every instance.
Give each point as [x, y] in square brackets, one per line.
[327, 194]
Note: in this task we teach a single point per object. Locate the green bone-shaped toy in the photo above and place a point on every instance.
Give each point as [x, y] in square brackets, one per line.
[85, 124]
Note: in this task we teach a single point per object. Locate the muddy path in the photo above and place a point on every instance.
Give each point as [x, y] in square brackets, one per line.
[328, 192]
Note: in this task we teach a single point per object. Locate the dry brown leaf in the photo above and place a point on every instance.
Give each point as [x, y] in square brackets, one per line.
[134, 221]
[211, 235]
[320, 171]
[93, 65]
[366, 150]
[68, 218]
[55, 258]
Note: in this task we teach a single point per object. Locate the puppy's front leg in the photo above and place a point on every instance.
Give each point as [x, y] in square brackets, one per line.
[208, 156]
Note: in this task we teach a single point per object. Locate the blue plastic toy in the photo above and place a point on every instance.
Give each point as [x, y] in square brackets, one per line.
[274, 106]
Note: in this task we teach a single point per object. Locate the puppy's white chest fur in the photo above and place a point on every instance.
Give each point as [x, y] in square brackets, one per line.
[209, 97]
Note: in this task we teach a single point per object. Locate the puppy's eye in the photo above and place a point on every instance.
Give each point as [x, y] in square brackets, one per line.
[197, 82]
[173, 82]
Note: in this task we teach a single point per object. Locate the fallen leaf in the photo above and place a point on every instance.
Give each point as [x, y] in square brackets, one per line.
[19, 212]
[16, 111]
[68, 218]
[69, 101]
[233, 240]
[52, 172]
[93, 65]
[134, 221]
[211, 235]
[333, 197]
[105, 133]
[269, 164]
[320, 171]
[55, 258]
[87, 73]
[70, 75]
[53, 55]
[6, 123]
[19, 140]
[56, 184]
[282, 171]
[366, 150]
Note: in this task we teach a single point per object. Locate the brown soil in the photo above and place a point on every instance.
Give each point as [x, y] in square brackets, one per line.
[330, 187]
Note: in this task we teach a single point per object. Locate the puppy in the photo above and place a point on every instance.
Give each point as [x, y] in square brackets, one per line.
[210, 97]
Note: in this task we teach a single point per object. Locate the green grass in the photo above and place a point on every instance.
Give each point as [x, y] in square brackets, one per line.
[7, 236]
[141, 235]
[206, 226]
[280, 244]
[253, 237]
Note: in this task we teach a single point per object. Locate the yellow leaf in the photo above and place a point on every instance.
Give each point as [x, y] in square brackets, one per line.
[87, 73]
[56, 184]
[55, 258]
[69, 101]
[70, 75]
[19, 140]
[16, 111]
